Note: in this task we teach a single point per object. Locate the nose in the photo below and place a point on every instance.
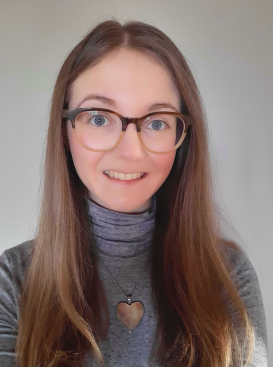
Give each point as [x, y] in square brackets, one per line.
[130, 146]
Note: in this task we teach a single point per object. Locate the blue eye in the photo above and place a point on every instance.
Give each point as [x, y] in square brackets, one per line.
[99, 120]
[156, 124]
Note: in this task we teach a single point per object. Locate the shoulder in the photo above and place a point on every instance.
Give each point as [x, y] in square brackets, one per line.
[242, 270]
[15, 260]
[243, 275]
[19, 253]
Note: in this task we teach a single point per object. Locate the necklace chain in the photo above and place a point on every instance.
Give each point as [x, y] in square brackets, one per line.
[129, 295]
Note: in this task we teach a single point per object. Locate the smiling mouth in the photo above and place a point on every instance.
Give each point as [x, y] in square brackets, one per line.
[123, 177]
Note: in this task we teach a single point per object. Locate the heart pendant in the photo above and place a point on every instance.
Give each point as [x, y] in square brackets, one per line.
[130, 314]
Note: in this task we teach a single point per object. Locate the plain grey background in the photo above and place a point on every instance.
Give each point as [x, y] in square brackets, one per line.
[228, 45]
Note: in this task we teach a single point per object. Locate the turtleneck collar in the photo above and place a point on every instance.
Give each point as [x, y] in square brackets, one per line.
[121, 235]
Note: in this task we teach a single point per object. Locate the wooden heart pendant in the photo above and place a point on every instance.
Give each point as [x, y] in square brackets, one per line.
[130, 314]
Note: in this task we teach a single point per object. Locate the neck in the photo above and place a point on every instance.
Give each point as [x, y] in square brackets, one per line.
[123, 235]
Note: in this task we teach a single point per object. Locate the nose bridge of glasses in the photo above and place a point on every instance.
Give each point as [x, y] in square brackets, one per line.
[130, 120]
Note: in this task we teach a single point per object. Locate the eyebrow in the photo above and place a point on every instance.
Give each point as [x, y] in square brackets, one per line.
[113, 104]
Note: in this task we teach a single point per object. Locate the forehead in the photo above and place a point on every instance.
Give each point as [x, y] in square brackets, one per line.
[127, 76]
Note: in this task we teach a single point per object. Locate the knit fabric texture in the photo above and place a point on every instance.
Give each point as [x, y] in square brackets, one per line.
[123, 242]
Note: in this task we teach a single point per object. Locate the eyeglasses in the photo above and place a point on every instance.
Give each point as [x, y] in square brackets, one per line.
[100, 129]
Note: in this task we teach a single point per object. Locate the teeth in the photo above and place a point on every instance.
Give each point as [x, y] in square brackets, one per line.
[123, 176]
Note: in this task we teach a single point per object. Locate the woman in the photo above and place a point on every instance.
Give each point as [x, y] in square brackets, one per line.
[128, 266]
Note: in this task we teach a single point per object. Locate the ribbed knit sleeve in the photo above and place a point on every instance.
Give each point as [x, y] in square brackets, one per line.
[14, 263]
[247, 284]
[8, 314]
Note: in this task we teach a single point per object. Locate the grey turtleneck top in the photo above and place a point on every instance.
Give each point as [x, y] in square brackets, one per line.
[123, 242]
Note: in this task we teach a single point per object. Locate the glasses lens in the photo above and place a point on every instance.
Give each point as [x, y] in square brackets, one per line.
[162, 132]
[98, 129]
[101, 130]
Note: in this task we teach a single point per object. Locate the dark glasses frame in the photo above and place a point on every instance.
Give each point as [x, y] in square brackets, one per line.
[73, 113]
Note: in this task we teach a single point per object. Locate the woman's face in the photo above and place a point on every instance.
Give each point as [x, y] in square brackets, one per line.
[134, 82]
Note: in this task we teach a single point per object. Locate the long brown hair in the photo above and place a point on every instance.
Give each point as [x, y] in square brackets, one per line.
[62, 314]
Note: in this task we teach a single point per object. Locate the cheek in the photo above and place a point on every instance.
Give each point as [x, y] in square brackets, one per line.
[164, 164]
